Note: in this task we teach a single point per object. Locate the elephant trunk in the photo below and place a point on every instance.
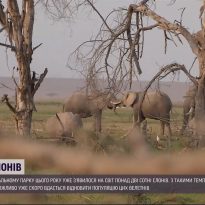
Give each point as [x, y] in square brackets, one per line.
[113, 104]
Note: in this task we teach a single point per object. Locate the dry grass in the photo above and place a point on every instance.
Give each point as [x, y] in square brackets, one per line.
[112, 152]
[62, 159]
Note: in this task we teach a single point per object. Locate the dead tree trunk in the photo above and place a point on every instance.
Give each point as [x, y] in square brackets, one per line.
[200, 100]
[18, 25]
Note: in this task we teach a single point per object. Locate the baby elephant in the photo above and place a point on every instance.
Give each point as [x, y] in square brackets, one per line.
[62, 125]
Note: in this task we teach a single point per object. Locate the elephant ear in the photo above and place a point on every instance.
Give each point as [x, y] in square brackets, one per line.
[130, 99]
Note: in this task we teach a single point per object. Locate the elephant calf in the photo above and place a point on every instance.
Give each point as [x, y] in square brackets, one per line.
[63, 125]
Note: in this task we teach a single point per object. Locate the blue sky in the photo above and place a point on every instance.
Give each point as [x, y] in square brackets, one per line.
[61, 38]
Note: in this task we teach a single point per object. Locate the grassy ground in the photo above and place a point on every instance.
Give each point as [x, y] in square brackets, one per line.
[115, 126]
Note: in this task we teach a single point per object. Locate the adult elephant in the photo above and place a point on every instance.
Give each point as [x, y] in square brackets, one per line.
[63, 125]
[156, 105]
[88, 105]
[188, 106]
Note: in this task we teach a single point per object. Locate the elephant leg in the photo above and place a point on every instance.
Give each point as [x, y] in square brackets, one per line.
[98, 119]
[169, 129]
[162, 127]
[185, 122]
[169, 133]
[163, 123]
[167, 124]
[144, 127]
[137, 119]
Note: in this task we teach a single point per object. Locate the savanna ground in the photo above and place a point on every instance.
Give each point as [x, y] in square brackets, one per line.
[112, 141]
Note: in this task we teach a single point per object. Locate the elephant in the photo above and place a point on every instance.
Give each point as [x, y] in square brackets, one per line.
[89, 105]
[188, 106]
[63, 125]
[156, 105]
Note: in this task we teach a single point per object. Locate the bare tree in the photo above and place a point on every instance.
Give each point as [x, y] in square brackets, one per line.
[18, 25]
[16, 21]
[195, 41]
[114, 53]
[109, 60]
[116, 50]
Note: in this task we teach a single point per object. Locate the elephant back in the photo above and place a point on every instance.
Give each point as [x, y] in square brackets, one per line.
[77, 121]
[86, 105]
[79, 103]
[156, 105]
[99, 101]
[63, 124]
[70, 120]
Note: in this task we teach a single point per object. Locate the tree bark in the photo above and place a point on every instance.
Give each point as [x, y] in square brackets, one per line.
[200, 101]
[22, 36]
[18, 24]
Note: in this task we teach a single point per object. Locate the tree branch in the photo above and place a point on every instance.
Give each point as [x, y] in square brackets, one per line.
[143, 2]
[42, 76]
[171, 68]
[104, 21]
[2, 15]
[132, 45]
[6, 86]
[28, 25]
[168, 26]
[8, 46]
[3, 28]
[14, 78]
[15, 17]
[6, 100]
[37, 46]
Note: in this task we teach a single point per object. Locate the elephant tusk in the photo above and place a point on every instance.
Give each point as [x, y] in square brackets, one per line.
[115, 103]
[190, 111]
